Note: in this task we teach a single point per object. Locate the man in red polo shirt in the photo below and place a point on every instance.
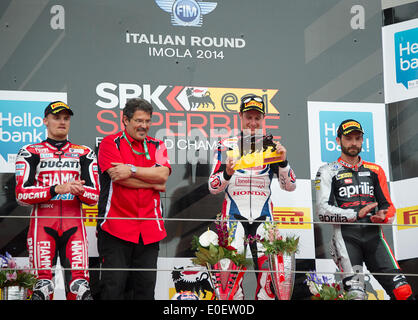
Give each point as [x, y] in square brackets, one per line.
[134, 169]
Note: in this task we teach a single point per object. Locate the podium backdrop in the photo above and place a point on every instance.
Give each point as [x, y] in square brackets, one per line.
[313, 62]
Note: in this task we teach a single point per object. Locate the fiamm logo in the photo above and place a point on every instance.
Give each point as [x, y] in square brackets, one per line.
[292, 218]
[328, 125]
[187, 13]
[406, 56]
[407, 217]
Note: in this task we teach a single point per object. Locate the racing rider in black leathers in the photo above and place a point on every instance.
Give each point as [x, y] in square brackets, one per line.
[353, 190]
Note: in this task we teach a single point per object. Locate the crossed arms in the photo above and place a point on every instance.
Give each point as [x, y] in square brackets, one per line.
[145, 177]
[112, 162]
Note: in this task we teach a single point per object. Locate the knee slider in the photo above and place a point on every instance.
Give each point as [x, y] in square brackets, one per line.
[355, 287]
[403, 292]
[43, 289]
[81, 289]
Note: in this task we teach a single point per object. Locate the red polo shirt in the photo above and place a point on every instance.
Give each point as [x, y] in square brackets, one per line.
[119, 201]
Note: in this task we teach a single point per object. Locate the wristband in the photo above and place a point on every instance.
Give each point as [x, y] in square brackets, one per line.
[52, 191]
[226, 175]
[283, 164]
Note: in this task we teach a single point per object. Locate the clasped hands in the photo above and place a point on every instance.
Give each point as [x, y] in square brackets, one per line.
[75, 187]
[379, 217]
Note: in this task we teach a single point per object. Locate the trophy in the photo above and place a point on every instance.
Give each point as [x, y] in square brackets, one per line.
[224, 281]
[254, 151]
[281, 267]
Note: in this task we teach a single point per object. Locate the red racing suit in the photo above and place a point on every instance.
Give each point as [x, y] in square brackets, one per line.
[248, 197]
[56, 224]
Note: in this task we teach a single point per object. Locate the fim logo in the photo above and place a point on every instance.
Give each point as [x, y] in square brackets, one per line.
[292, 218]
[90, 213]
[187, 13]
[407, 217]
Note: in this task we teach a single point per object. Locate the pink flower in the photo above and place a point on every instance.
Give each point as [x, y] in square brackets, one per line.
[273, 234]
[11, 276]
[12, 264]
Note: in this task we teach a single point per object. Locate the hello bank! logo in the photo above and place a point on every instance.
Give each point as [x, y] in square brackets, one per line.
[406, 56]
[21, 123]
[329, 122]
[187, 13]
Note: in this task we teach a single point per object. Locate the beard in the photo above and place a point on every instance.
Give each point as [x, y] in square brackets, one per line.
[351, 151]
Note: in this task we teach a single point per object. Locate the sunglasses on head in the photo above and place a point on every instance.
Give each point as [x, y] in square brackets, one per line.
[251, 98]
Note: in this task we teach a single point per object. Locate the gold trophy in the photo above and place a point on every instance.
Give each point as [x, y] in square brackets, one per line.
[255, 151]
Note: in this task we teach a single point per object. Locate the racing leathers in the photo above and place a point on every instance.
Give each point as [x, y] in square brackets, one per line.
[341, 191]
[248, 198]
[56, 224]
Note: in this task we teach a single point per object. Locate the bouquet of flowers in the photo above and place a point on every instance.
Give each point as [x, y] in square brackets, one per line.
[225, 265]
[274, 243]
[10, 275]
[323, 289]
[211, 247]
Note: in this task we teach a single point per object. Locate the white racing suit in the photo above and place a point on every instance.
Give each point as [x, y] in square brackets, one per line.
[247, 197]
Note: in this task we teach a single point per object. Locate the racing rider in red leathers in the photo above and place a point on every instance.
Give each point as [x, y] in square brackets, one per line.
[351, 190]
[247, 191]
[55, 176]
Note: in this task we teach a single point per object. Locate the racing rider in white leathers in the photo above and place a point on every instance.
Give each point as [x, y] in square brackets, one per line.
[248, 193]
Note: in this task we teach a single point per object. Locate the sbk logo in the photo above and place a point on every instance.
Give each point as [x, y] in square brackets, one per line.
[180, 98]
[363, 189]
[109, 99]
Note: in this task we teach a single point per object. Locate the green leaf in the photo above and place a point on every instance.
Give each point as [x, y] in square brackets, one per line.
[213, 251]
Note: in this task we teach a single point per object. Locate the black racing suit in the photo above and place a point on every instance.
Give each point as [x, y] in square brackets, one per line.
[341, 191]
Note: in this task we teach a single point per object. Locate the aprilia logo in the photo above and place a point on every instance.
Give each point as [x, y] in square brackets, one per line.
[332, 218]
[363, 189]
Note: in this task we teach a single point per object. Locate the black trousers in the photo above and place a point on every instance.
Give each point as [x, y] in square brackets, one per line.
[367, 243]
[118, 253]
